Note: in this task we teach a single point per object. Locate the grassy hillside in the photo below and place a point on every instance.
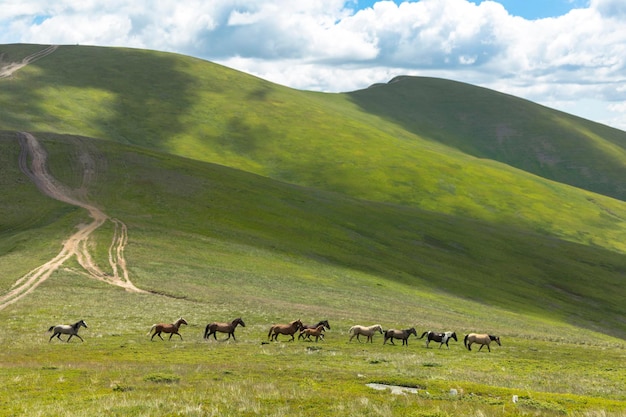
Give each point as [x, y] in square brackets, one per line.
[487, 124]
[243, 198]
[202, 111]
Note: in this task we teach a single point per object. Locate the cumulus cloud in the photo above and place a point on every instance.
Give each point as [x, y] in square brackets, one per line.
[331, 45]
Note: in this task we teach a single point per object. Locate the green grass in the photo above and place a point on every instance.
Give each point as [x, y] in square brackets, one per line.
[247, 199]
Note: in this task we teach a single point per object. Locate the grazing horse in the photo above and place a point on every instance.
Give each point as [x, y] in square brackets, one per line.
[72, 330]
[287, 329]
[172, 329]
[318, 332]
[399, 334]
[439, 337]
[365, 331]
[481, 339]
[313, 326]
[213, 328]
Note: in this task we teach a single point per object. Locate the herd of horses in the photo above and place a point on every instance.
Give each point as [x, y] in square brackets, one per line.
[306, 332]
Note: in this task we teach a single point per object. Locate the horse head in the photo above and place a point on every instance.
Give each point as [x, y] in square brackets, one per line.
[181, 321]
[453, 336]
[411, 331]
[495, 339]
[239, 321]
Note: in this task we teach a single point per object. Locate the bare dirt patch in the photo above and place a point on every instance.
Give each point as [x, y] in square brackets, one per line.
[78, 243]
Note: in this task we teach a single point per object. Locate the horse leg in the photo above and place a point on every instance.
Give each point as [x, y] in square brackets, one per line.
[68, 339]
[53, 334]
[482, 346]
[233, 335]
[81, 339]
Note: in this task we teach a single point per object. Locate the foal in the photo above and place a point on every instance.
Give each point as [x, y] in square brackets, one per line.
[318, 332]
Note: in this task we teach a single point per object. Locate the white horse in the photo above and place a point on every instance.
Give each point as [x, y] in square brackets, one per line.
[72, 330]
[365, 331]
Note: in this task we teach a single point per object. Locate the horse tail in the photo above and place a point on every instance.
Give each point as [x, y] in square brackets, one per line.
[151, 328]
[270, 332]
[206, 330]
[465, 341]
[423, 334]
[51, 328]
[351, 330]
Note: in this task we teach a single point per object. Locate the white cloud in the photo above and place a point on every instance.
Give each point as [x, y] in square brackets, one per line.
[327, 45]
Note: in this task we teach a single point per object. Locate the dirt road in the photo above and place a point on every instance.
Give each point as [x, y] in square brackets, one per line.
[7, 69]
[78, 243]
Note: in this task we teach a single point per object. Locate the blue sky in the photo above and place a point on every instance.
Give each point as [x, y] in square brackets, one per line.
[529, 9]
[575, 61]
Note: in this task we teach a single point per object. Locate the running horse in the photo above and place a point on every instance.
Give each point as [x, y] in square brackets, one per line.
[318, 332]
[481, 339]
[72, 330]
[399, 334]
[439, 337]
[172, 329]
[286, 329]
[369, 331]
[213, 328]
[313, 326]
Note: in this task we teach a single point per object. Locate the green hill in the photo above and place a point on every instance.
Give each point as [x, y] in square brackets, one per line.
[411, 203]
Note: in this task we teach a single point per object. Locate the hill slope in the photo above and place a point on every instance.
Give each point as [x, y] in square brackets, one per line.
[232, 197]
[336, 142]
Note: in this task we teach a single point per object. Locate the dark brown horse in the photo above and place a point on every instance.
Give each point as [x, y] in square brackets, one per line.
[318, 332]
[313, 326]
[439, 337]
[172, 329]
[287, 329]
[399, 334]
[213, 328]
[481, 339]
[72, 330]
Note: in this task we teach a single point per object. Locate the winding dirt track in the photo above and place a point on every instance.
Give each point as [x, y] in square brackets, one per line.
[6, 70]
[78, 243]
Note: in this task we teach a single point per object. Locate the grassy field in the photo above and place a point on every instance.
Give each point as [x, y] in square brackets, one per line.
[273, 205]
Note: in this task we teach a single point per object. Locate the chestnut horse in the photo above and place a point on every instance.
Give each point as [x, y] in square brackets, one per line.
[481, 339]
[72, 330]
[313, 326]
[287, 329]
[213, 328]
[399, 334]
[172, 329]
[318, 332]
[365, 331]
[439, 337]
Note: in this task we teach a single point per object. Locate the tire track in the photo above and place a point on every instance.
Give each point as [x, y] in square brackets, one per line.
[6, 70]
[78, 243]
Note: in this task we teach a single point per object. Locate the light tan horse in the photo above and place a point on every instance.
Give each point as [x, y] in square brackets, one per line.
[399, 334]
[368, 331]
[172, 329]
[72, 330]
[481, 339]
[318, 332]
[286, 329]
[213, 328]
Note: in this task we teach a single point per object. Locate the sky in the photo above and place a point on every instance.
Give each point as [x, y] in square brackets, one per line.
[565, 54]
